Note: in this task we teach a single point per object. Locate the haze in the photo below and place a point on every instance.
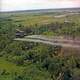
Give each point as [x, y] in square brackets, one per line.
[12, 5]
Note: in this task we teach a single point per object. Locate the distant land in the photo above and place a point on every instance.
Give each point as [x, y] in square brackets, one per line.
[44, 10]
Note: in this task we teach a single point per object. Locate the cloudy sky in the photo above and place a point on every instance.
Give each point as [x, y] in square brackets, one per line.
[11, 5]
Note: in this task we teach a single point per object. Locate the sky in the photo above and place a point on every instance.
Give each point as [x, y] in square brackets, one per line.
[12, 5]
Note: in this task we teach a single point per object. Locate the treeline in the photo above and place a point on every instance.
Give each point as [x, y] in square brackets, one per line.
[65, 29]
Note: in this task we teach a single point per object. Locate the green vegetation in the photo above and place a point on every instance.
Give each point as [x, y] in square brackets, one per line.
[35, 61]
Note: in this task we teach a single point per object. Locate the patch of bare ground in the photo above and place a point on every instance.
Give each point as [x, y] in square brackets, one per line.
[71, 51]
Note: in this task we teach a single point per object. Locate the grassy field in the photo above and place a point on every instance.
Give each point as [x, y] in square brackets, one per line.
[32, 19]
[9, 68]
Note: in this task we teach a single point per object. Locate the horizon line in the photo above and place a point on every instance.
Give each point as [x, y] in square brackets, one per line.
[40, 9]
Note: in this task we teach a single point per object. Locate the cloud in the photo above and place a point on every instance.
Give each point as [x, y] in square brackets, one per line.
[9, 5]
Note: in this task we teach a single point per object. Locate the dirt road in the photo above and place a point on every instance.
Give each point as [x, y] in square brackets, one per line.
[51, 41]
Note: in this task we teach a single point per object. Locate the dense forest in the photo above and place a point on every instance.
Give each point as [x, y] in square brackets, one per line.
[36, 61]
